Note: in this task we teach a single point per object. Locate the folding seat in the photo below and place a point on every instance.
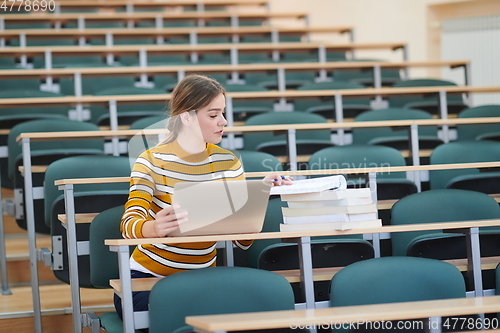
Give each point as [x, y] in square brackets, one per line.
[486, 180]
[43, 153]
[88, 198]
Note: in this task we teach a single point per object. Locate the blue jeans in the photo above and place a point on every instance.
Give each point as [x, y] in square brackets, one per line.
[140, 298]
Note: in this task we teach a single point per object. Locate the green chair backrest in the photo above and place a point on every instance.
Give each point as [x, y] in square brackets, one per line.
[359, 156]
[103, 262]
[365, 75]
[475, 131]
[244, 105]
[272, 221]
[100, 112]
[497, 280]
[35, 110]
[397, 101]
[215, 290]
[128, 90]
[7, 121]
[461, 152]
[257, 161]
[94, 146]
[89, 166]
[365, 135]
[253, 140]
[395, 279]
[139, 142]
[93, 85]
[304, 104]
[442, 205]
[146, 122]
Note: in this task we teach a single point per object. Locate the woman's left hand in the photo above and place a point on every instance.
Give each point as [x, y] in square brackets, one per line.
[279, 180]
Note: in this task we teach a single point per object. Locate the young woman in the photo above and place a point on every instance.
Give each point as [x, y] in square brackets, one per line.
[189, 153]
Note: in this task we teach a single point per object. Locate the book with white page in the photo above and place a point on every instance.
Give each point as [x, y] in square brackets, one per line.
[337, 194]
[311, 185]
[349, 201]
[341, 225]
[311, 211]
[329, 218]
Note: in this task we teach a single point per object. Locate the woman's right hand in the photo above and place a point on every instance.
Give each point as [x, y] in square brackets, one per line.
[166, 222]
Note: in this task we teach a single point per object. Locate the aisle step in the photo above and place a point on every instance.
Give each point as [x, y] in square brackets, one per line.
[16, 311]
[18, 264]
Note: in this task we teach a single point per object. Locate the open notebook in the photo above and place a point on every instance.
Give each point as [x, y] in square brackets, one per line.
[222, 207]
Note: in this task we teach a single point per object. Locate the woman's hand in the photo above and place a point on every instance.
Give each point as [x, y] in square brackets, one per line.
[166, 222]
[279, 180]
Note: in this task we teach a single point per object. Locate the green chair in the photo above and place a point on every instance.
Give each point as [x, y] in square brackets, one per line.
[215, 290]
[482, 180]
[325, 105]
[244, 109]
[20, 84]
[128, 113]
[395, 137]
[257, 161]
[92, 85]
[445, 205]
[44, 153]
[310, 55]
[307, 141]
[293, 80]
[146, 122]
[26, 93]
[89, 198]
[103, 262]
[395, 279]
[427, 103]
[59, 60]
[365, 77]
[12, 116]
[479, 131]
[497, 281]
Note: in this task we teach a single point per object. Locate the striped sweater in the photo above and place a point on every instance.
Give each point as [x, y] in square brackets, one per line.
[152, 180]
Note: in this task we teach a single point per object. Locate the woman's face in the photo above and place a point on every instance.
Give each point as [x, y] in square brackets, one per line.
[211, 120]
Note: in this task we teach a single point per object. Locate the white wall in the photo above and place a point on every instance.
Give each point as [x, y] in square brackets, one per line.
[374, 21]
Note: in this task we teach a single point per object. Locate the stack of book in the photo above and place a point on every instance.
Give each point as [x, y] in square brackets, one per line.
[323, 208]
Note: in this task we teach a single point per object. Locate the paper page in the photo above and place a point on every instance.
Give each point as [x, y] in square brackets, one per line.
[311, 185]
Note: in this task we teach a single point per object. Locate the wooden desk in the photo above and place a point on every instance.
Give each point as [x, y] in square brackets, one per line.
[181, 70]
[293, 275]
[292, 94]
[338, 315]
[169, 32]
[235, 16]
[131, 5]
[26, 138]
[187, 49]
[243, 68]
